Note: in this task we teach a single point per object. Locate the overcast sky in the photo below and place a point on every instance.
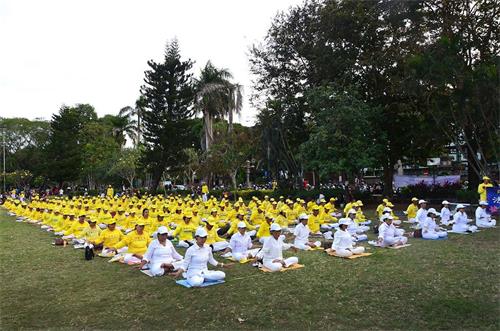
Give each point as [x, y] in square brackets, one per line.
[68, 52]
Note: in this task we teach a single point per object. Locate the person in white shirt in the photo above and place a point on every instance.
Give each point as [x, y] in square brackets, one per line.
[430, 229]
[354, 229]
[387, 234]
[272, 251]
[343, 243]
[241, 244]
[483, 219]
[421, 213]
[445, 213]
[194, 267]
[461, 220]
[301, 233]
[161, 255]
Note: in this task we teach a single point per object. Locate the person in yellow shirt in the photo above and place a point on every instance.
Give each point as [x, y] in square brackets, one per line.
[160, 221]
[204, 192]
[282, 220]
[240, 217]
[314, 221]
[411, 211]
[185, 231]
[136, 242]
[146, 220]
[76, 229]
[213, 239]
[91, 233]
[348, 206]
[380, 208]
[110, 192]
[108, 238]
[257, 216]
[481, 189]
[176, 218]
[264, 230]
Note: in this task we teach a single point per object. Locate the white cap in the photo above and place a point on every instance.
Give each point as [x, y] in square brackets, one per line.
[421, 201]
[483, 203]
[432, 211]
[201, 232]
[387, 209]
[204, 219]
[303, 216]
[343, 221]
[351, 211]
[445, 202]
[162, 230]
[387, 217]
[460, 206]
[242, 225]
[275, 227]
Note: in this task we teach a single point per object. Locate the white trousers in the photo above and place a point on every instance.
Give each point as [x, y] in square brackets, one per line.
[252, 233]
[396, 222]
[131, 259]
[198, 279]
[243, 255]
[349, 252]
[184, 243]
[434, 235]
[277, 266]
[328, 235]
[399, 232]
[156, 269]
[220, 245]
[463, 228]
[486, 224]
[361, 237]
[303, 246]
[394, 240]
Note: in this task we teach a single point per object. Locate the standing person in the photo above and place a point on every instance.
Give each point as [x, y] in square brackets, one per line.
[194, 267]
[110, 192]
[461, 220]
[481, 189]
[272, 251]
[204, 192]
[483, 219]
[343, 243]
[445, 213]
[421, 213]
[161, 255]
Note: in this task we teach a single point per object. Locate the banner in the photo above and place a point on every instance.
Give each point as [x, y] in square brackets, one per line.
[403, 181]
[493, 197]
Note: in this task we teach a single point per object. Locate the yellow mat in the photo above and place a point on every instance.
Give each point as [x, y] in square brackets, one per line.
[354, 256]
[292, 267]
[398, 247]
[240, 261]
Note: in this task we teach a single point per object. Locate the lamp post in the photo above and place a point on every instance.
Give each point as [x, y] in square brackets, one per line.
[3, 144]
[249, 165]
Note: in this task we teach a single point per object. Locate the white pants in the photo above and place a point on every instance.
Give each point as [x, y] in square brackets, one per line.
[198, 279]
[204, 197]
[486, 224]
[45, 227]
[243, 255]
[252, 233]
[328, 235]
[367, 222]
[277, 266]
[130, 259]
[396, 222]
[70, 236]
[360, 237]
[303, 246]
[434, 235]
[326, 226]
[156, 269]
[184, 243]
[220, 245]
[393, 240]
[411, 220]
[399, 232]
[349, 252]
[103, 226]
[463, 228]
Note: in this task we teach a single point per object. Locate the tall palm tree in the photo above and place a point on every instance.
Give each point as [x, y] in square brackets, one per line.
[128, 124]
[134, 128]
[216, 97]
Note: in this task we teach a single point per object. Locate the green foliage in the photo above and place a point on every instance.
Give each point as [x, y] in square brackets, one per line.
[168, 98]
[126, 164]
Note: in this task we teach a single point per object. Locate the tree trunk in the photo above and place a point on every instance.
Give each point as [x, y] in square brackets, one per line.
[230, 121]
[208, 129]
[388, 177]
[233, 178]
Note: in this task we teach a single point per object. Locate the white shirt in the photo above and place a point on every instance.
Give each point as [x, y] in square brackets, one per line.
[196, 259]
[445, 214]
[482, 215]
[157, 253]
[460, 218]
[352, 227]
[386, 231]
[429, 225]
[342, 240]
[273, 249]
[421, 216]
[301, 234]
[239, 243]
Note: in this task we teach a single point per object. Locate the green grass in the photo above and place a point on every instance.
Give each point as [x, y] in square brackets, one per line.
[450, 284]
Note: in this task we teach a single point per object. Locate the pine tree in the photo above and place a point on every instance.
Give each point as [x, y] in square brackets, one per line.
[168, 95]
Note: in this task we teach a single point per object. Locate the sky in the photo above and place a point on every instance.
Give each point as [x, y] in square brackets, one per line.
[56, 52]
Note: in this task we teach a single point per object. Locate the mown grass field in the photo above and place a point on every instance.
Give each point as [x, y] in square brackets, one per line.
[450, 284]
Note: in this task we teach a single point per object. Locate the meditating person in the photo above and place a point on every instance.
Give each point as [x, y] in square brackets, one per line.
[136, 242]
[184, 231]
[343, 243]
[411, 211]
[213, 239]
[241, 244]
[445, 214]
[430, 230]
[460, 218]
[76, 230]
[301, 233]
[387, 234]
[483, 219]
[109, 238]
[161, 255]
[357, 231]
[264, 230]
[272, 251]
[194, 268]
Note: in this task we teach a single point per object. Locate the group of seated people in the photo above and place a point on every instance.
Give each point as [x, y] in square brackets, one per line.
[256, 231]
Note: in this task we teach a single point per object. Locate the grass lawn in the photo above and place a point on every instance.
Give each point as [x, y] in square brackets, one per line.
[448, 284]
